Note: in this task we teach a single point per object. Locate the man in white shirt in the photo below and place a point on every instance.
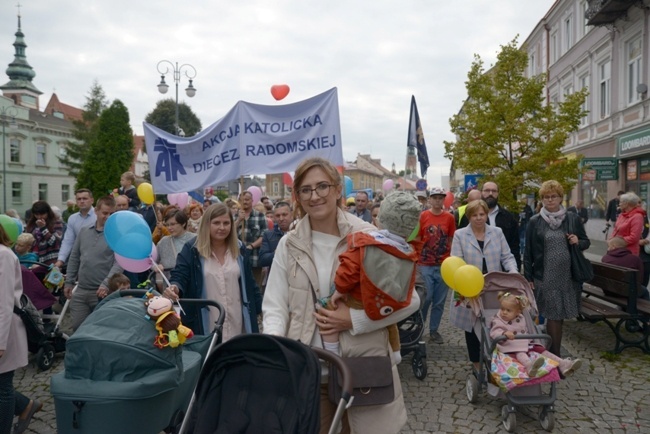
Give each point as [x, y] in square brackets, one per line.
[84, 218]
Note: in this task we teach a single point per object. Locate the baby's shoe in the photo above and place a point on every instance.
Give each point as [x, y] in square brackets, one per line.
[396, 357]
[568, 366]
[534, 366]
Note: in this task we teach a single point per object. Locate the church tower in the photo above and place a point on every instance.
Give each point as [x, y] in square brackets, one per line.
[20, 87]
[411, 163]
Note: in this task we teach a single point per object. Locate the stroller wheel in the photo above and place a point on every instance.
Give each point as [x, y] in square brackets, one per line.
[547, 418]
[509, 419]
[419, 366]
[45, 357]
[472, 388]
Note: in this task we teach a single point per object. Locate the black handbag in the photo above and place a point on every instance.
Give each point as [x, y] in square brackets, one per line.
[372, 381]
[581, 269]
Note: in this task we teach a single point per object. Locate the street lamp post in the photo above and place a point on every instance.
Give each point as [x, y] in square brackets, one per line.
[164, 67]
[4, 112]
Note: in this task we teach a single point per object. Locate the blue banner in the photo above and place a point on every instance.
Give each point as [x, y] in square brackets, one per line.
[250, 139]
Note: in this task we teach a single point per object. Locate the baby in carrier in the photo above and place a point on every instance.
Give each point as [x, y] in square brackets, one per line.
[508, 322]
[377, 272]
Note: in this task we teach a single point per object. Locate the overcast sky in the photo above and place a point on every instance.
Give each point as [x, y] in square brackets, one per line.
[377, 53]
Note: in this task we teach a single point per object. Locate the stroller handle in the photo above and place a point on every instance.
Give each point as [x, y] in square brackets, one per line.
[183, 301]
[539, 336]
[338, 362]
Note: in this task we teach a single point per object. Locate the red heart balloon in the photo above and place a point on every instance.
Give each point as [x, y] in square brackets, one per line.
[279, 91]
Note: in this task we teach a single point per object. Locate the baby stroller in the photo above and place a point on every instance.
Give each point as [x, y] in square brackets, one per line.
[410, 337]
[527, 394]
[115, 379]
[44, 339]
[259, 384]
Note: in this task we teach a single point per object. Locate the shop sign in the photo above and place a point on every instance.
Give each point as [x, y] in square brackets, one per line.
[605, 169]
[631, 170]
[634, 143]
[644, 169]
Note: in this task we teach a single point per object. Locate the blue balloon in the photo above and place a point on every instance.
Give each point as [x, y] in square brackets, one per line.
[19, 224]
[348, 185]
[128, 235]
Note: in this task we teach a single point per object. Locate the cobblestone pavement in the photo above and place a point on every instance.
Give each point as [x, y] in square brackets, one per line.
[610, 394]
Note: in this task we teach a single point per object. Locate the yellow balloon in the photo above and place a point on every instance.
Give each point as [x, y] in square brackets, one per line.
[449, 267]
[145, 193]
[469, 281]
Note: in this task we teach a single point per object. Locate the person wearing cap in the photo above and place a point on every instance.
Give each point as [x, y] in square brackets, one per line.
[349, 203]
[361, 207]
[460, 212]
[437, 228]
[422, 196]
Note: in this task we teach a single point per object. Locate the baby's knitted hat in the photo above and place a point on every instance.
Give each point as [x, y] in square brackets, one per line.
[399, 213]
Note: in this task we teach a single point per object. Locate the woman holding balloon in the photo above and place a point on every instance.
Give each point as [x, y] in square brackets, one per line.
[217, 267]
[484, 247]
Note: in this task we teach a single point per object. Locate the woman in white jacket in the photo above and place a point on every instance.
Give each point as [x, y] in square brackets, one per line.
[13, 343]
[303, 271]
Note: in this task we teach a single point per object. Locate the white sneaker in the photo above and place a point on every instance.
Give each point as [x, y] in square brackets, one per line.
[568, 366]
[534, 366]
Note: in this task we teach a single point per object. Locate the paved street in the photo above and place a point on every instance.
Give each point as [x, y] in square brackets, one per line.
[610, 394]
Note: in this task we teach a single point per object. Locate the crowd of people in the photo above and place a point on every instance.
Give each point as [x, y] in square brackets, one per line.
[302, 268]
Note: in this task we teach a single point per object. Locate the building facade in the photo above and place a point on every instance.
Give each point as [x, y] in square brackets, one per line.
[602, 46]
[32, 140]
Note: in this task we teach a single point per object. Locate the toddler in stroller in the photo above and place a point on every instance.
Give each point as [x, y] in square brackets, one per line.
[509, 321]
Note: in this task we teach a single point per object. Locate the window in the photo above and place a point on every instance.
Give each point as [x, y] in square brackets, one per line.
[568, 90]
[554, 47]
[42, 192]
[633, 52]
[531, 64]
[584, 6]
[16, 192]
[276, 187]
[65, 193]
[40, 155]
[568, 33]
[554, 102]
[584, 84]
[14, 150]
[604, 96]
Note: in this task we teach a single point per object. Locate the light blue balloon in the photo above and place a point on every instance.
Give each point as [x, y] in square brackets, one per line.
[348, 185]
[20, 225]
[128, 235]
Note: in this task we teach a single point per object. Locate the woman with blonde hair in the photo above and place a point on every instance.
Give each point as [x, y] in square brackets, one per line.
[303, 271]
[215, 267]
[547, 261]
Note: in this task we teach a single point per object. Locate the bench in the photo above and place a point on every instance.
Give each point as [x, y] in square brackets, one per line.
[612, 297]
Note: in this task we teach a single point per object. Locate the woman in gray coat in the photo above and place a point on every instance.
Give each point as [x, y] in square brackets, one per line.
[13, 342]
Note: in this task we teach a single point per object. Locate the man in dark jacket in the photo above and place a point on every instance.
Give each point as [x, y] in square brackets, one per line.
[270, 239]
[579, 208]
[613, 209]
[618, 254]
[500, 217]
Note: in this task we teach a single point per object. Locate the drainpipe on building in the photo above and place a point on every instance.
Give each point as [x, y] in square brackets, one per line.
[547, 28]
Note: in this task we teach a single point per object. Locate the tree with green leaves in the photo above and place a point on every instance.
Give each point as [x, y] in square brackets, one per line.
[85, 130]
[111, 152]
[508, 132]
[164, 117]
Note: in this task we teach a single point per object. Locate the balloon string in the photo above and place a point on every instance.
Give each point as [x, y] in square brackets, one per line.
[168, 284]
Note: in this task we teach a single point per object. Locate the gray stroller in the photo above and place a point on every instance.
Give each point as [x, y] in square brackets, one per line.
[485, 306]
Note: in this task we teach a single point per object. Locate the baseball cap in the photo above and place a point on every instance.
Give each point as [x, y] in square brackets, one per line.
[350, 201]
[420, 194]
[437, 191]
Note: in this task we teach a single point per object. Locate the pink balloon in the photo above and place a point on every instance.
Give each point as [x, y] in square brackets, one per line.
[134, 265]
[138, 265]
[256, 192]
[388, 185]
[182, 199]
[171, 198]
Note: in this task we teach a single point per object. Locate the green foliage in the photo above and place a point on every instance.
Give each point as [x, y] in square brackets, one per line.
[222, 195]
[163, 117]
[506, 131]
[85, 130]
[110, 153]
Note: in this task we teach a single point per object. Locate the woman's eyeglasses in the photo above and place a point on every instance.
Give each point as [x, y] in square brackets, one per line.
[321, 190]
[554, 197]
